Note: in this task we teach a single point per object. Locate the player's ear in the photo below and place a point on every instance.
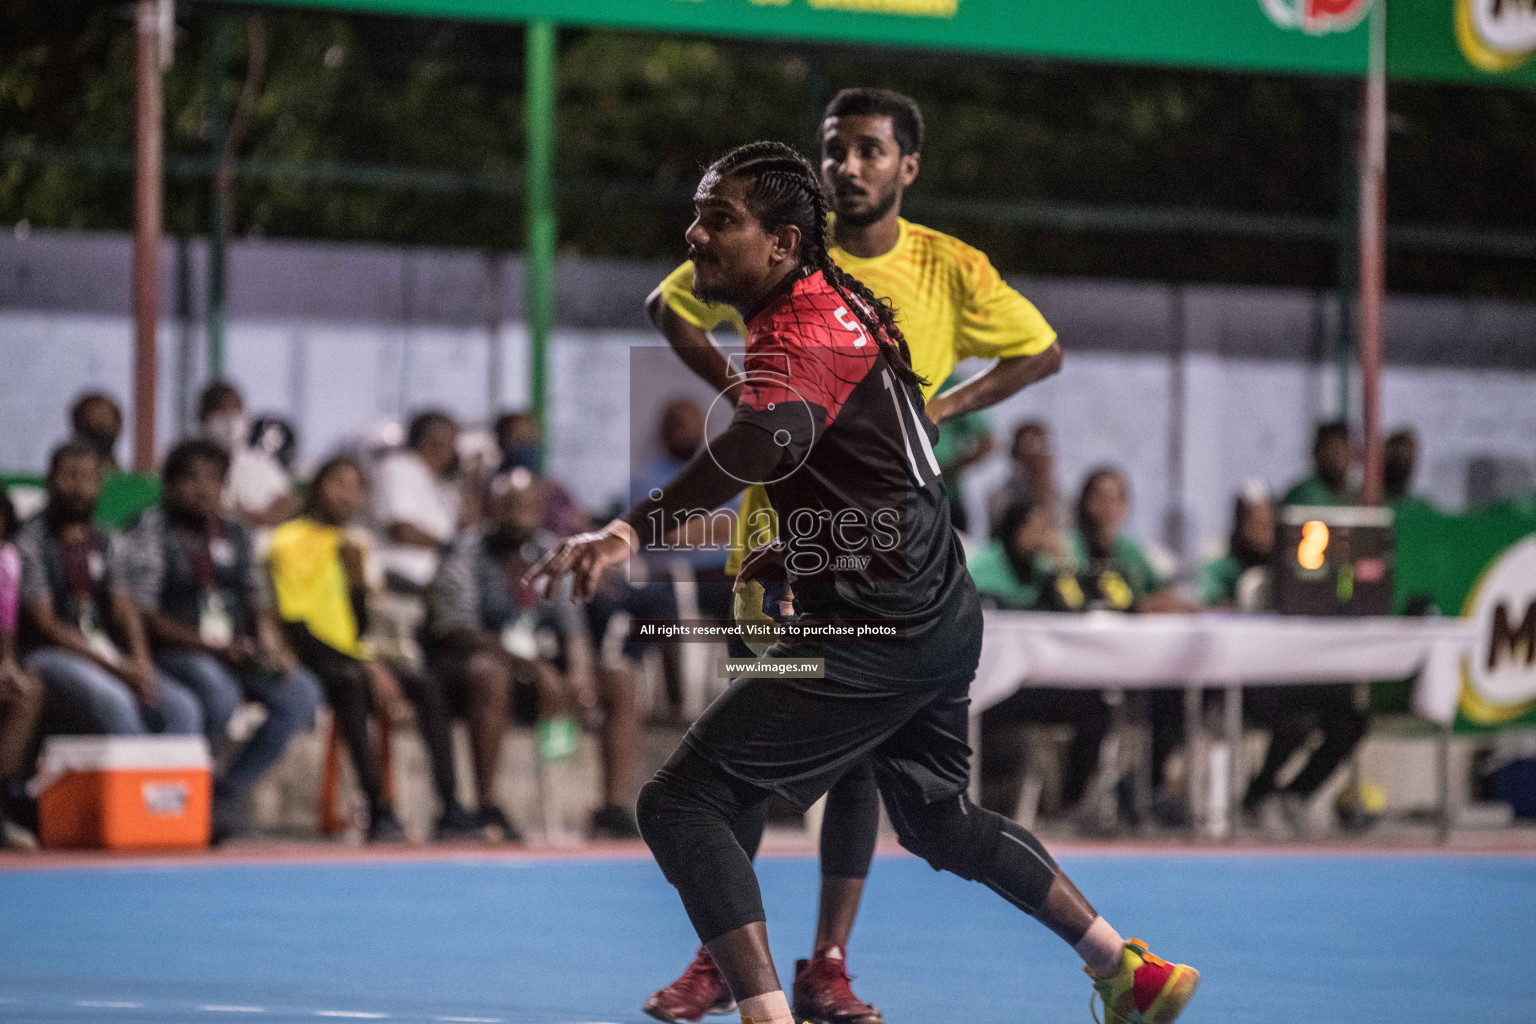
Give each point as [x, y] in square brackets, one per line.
[786, 242]
[910, 164]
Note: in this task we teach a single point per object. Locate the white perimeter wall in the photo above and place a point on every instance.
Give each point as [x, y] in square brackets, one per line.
[1243, 418]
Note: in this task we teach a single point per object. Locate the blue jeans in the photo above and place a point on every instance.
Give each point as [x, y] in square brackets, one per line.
[82, 697]
[290, 702]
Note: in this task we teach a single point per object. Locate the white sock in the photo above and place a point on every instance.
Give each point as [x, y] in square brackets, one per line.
[768, 1008]
[1101, 949]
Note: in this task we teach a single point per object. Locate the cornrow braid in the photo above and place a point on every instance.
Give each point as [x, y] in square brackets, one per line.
[786, 190]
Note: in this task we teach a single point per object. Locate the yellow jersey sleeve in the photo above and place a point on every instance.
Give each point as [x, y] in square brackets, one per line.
[756, 525]
[677, 293]
[995, 320]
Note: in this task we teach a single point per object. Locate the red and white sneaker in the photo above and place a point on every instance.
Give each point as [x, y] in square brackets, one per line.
[699, 992]
[822, 994]
[1146, 990]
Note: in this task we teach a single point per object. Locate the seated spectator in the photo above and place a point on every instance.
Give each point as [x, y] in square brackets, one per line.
[1126, 580]
[82, 635]
[21, 695]
[1400, 458]
[96, 419]
[1033, 474]
[1119, 576]
[319, 570]
[259, 492]
[1332, 456]
[1223, 581]
[207, 609]
[1018, 570]
[418, 505]
[1292, 714]
[520, 440]
[500, 646]
[1021, 568]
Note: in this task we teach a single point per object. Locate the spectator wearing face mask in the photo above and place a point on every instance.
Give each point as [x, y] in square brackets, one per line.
[82, 634]
[521, 444]
[258, 492]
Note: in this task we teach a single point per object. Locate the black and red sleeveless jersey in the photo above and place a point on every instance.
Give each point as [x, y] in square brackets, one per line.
[858, 493]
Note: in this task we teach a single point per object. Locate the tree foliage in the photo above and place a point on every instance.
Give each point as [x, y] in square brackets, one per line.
[411, 132]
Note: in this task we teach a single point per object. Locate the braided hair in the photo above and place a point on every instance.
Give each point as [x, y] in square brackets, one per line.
[785, 189]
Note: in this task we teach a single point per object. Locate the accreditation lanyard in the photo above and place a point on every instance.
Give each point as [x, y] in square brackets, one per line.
[82, 566]
[214, 623]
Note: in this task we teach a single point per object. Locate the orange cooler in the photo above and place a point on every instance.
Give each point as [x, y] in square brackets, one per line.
[125, 792]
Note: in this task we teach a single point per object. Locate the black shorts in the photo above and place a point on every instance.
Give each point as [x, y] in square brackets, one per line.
[448, 661]
[795, 737]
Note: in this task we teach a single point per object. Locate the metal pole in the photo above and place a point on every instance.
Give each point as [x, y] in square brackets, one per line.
[540, 212]
[1373, 174]
[1349, 257]
[148, 15]
[218, 57]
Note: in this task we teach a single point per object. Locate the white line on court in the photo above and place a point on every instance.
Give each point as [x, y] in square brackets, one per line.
[234, 1009]
[101, 1004]
[469, 1020]
[355, 1014]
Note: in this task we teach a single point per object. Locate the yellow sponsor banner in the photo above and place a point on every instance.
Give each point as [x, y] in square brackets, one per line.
[1496, 35]
[912, 8]
[1499, 676]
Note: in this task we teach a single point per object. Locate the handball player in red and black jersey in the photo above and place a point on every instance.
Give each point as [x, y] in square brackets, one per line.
[830, 420]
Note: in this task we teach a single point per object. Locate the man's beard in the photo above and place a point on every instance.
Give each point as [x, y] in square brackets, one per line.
[64, 511]
[869, 216]
[713, 296]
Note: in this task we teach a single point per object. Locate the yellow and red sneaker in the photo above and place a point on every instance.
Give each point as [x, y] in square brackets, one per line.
[1146, 990]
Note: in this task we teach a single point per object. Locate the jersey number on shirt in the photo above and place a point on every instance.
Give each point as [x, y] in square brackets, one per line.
[849, 321]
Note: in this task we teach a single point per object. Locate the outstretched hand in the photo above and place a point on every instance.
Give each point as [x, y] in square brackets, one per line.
[584, 557]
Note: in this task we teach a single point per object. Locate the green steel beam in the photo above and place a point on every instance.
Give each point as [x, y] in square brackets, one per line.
[540, 206]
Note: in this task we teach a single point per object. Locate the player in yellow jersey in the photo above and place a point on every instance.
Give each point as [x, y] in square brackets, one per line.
[952, 305]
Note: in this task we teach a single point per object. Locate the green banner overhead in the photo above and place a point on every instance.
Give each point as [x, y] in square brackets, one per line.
[1485, 41]
[1303, 36]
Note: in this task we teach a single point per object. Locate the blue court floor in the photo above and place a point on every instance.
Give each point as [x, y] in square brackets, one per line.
[1306, 938]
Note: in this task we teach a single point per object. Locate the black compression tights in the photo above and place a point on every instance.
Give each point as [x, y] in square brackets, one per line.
[848, 829]
[688, 811]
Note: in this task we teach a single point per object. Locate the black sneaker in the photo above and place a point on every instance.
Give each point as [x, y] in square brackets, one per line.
[614, 822]
[385, 827]
[494, 823]
[458, 826]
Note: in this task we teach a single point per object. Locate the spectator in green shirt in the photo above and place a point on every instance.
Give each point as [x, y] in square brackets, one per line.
[1020, 570]
[1253, 538]
[1329, 482]
[1399, 459]
[1126, 580]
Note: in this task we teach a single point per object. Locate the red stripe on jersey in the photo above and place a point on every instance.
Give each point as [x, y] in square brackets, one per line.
[807, 346]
